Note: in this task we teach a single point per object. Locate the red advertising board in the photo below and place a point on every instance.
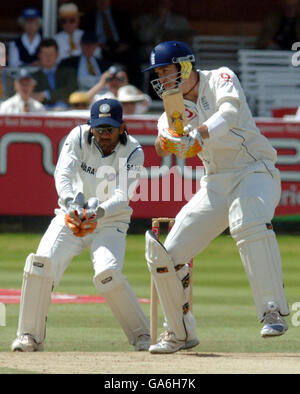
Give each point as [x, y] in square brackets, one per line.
[30, 145]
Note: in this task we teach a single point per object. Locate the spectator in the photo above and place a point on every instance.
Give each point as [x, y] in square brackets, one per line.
[2, 68]
[2, 93]
[79, 100]
[115, 35]
[163, 25]
[23, 50]
[88, 67]
[109, 84]
[68, 39]
[3, 62]
[281, 27]
[22, 102]
[55, 83]
[134, 102]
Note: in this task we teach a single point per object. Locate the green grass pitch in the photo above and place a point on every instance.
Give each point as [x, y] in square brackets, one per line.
[223, 304]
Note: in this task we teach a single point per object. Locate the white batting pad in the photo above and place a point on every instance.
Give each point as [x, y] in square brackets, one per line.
[168, 285]
[261, 258]
[249, 219]
[36, 296]
[119, 295]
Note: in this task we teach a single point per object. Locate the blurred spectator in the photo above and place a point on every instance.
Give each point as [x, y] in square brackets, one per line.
[68, 39]
[134, 102]
[79, 100]
[109, 84]
[163, 25]
[55, 83]
[22, 102]
[88, 67]
[281, 27]
[3, 63]
[2, 92]
[23, 50]
[115, 34]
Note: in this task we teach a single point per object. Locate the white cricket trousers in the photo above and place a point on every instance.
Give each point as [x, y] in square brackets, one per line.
[245, 203]
[206, 215]
[107, 247]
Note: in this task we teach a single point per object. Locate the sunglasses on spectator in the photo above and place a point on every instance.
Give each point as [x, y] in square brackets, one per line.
[64, 21]
[109, 79]
[109, 130]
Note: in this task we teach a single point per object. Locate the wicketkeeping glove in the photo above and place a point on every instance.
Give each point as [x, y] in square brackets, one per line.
[81, 218]
[74, 213]
[91, 213]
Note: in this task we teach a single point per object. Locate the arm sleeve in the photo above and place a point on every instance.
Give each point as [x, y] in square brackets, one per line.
[126, 183]
[223, 120]
[67, 165]
[228, 93]
[162, 123]
[13, 55]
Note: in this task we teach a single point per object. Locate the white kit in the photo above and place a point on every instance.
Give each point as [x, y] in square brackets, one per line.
[77, 171]
[240, 190]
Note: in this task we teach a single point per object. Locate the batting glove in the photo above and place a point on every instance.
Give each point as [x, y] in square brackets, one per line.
[184, 147]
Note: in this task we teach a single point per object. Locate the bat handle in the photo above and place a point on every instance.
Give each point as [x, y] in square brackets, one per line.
[187, 129]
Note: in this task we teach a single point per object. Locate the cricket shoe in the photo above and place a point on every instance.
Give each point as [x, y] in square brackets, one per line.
[142, 343]
[275, 324]
[170, 344]
[26, 343]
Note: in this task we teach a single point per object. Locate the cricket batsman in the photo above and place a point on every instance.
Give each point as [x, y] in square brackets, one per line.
[97, 167]
[240, 190]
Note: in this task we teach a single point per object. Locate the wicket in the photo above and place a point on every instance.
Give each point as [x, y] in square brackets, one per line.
[153, 293]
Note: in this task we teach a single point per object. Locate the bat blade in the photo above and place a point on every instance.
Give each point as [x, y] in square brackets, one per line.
[175, 111]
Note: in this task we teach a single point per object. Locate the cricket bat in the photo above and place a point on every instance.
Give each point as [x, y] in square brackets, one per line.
[175, 111]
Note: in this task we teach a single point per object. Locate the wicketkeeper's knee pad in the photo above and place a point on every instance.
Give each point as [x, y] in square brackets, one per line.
[114, 287]
[36, 296]
[260, 255]
[172, 284]
[107, 280]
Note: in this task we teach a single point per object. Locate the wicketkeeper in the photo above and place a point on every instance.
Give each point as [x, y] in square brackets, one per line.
[240, 190]
[97, 167]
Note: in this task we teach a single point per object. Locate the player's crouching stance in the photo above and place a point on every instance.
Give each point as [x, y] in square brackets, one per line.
[86, 221]
[240, 190]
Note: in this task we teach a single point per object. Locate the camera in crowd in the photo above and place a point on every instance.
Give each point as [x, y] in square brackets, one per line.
[114, 70]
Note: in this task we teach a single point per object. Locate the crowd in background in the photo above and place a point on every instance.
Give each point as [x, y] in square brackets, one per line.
[102, 54]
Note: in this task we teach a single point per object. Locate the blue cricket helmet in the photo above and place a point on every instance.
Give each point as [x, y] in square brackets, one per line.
[170, 52]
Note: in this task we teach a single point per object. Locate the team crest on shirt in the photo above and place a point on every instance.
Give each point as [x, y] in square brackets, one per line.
[110, 177]
[204, 103]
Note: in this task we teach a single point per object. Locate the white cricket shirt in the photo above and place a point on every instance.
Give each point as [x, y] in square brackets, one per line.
[240, 146]
[82, 167]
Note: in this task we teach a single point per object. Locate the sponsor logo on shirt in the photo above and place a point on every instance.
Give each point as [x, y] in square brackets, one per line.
[226, 77]
[88, 169]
